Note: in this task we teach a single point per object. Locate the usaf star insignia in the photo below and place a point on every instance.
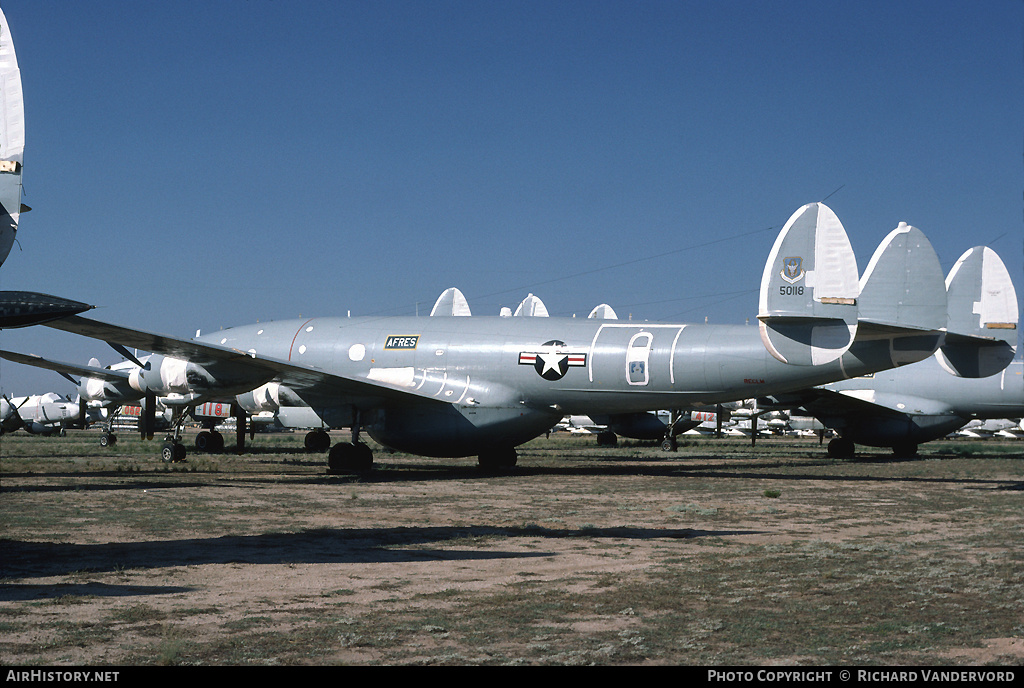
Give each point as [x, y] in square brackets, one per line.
[553, 361]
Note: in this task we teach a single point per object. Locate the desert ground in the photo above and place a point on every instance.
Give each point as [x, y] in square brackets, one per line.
[720, 554]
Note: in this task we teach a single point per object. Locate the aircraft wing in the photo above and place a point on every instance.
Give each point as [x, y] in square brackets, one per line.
[826, 403]
[87, 371]
[243, 371]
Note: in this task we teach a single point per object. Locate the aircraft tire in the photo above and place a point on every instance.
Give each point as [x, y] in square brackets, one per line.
[498, 459]
[317, 441]
[905, 450]
[670, 445]
[210, 442]
[840, 448]
[173, 452]
[204, 441]
[108, 439]
[350, 457]
[607, 439]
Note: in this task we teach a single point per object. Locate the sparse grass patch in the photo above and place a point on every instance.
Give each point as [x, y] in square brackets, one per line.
[264, 559]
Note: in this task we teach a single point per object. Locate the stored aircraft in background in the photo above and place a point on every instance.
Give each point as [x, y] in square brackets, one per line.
[901, 409]
[993, 427]
[907, 406]
[108, 393]
[39, 414]
[12, 140]
[455, 384]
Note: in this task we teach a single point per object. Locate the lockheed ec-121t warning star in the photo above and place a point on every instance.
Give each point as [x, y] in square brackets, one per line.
[456, 384]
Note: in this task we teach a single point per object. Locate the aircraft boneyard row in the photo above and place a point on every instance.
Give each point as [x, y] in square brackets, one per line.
[455, 384]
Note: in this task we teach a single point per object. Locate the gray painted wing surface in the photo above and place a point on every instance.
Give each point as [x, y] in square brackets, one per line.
[243, 369]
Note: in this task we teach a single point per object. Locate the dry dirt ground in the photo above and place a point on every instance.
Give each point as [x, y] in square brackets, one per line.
[720, 554]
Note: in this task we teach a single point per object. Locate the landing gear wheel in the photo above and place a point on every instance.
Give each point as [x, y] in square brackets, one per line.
[670, 444]
[840, 448]
[205, 441]
[208, 441]
[172, 452]
[905, 450]
[607, 439]
[350, 457]
[108, 439]
[498, 459]
[317, 441]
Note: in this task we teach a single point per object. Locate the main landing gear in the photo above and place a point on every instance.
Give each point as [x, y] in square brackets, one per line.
[317, 440]
[841, 448]
[173, 451]
[498, 459]
[345, 456]
[209, 441]
[670, 443]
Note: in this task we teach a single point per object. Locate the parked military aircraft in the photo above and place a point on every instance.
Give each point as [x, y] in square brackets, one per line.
[39, 414]
[904, 407]
[451, 385]
[110, 388]
[12, 140]
[992, 427]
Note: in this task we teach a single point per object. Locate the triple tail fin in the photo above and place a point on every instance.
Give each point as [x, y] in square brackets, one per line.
[807, 309]
[903, 297]
[981, 337]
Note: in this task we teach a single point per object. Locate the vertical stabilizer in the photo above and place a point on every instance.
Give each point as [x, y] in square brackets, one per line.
[983, 313]
[809, 289]
[451, 302]
[12, 140]
[603, 312]
[903, 285]
[532, 306]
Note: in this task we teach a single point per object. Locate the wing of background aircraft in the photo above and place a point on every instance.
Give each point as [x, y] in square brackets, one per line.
[67, 369]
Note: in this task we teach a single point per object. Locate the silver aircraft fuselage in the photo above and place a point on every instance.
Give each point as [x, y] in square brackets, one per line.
[507, 379]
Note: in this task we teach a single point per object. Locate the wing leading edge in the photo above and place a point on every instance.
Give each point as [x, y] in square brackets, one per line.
[239, 371]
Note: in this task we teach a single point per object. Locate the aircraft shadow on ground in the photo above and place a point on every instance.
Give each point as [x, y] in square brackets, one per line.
[324, 546]
[428, 471]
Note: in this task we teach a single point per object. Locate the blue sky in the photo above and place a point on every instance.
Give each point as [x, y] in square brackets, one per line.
[203, 165]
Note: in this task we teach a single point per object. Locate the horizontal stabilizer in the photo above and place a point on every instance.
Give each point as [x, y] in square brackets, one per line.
[983, 313]
[809, 290]
[451, 302]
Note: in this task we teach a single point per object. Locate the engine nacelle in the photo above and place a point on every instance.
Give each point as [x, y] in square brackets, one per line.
[104, 391]
[166, 376]
[269, 397]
